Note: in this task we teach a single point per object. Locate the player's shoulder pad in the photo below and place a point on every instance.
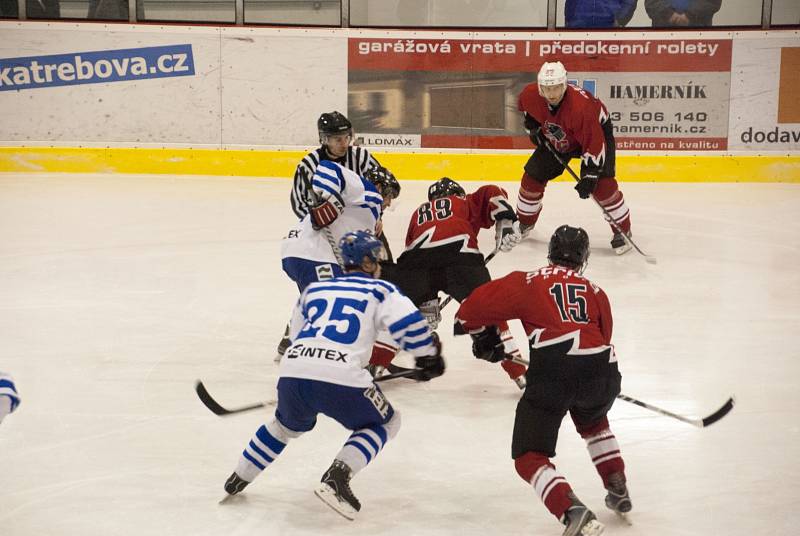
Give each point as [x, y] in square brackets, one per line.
[379, 285]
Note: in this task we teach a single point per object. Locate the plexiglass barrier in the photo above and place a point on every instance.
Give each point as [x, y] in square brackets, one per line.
[489, 14]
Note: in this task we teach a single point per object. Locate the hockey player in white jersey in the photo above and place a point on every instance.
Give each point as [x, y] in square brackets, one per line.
[9, 398]
[344, 202]
[333, 328]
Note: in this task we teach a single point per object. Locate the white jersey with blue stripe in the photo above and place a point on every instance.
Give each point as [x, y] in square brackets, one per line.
[361, 210]
[336, 322]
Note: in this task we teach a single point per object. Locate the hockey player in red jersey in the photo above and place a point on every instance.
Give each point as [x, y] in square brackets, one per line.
[442, 253]
[572, 369]
[577, 125]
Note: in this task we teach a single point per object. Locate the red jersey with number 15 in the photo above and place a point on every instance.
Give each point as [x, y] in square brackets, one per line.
[576, 124]
[457, 220]
[554, 303]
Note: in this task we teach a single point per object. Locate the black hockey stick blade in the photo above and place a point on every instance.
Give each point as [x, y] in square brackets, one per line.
[700, 423]
[720, 413]
[216, 408]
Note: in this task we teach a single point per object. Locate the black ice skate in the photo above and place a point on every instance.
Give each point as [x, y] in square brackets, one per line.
[580, 521]
[525, 230]
[376, 371]
[234, 485]
[618, 499]
[619, 244]
[335, 490]
[521, 382]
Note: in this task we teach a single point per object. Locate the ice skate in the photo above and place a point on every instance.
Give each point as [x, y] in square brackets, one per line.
[617, 498]
[234, 485]
[376, 371]
[335, 490]
[580, 521]
[521, 382]
[619, 244]
[525, 230]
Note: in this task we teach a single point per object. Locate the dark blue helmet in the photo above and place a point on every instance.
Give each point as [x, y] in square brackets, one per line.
[569, 246]
[357, 245]
[444, 187]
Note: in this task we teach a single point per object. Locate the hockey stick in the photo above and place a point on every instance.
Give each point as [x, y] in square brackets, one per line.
[700, 423]
[649, 258]
[217, 409]
[401, 373]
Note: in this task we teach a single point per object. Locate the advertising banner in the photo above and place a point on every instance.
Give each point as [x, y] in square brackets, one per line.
[765, 114]
[662, 94]
[68, 83]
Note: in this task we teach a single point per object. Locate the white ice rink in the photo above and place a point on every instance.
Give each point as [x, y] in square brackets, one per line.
[118, 292]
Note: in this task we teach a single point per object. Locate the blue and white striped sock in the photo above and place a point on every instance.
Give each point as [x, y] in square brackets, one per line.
[362, 446]
[262, 450]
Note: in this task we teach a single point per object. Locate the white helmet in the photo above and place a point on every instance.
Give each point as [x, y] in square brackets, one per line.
[552, 74]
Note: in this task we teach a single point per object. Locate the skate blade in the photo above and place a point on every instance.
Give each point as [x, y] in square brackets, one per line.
[593, 528]
[225, 499]
[622, 250]
[624, 517]
[328, 496]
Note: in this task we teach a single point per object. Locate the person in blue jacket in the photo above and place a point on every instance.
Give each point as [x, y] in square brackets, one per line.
[598, 13]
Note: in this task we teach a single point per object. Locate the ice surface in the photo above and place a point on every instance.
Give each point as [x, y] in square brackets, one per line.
[117, 292]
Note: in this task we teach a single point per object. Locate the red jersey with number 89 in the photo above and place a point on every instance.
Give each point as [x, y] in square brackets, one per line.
[455, 219]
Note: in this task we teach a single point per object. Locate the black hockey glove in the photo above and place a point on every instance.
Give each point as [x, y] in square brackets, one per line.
[534, 129]
[537, 137]
[587, 184]
[487, 345]
[430, 366]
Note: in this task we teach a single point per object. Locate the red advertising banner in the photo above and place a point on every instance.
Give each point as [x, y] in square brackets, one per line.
[666, 94]
[685, 55]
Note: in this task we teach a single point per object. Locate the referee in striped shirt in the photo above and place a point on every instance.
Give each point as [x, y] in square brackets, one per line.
[335, 136]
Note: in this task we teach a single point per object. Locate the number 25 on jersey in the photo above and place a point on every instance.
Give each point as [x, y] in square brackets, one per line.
[338, 321]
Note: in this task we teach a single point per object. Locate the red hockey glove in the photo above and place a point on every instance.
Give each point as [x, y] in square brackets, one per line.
[323, 214]
[587, 184]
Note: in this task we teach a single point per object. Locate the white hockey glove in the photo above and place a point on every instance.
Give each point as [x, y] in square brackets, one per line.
[507, 235]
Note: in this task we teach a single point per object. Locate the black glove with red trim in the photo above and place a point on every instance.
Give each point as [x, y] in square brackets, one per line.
[487, 345]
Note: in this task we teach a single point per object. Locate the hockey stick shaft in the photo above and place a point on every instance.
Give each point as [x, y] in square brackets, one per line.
[699, 423]
[610, 219]
[402, 374]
